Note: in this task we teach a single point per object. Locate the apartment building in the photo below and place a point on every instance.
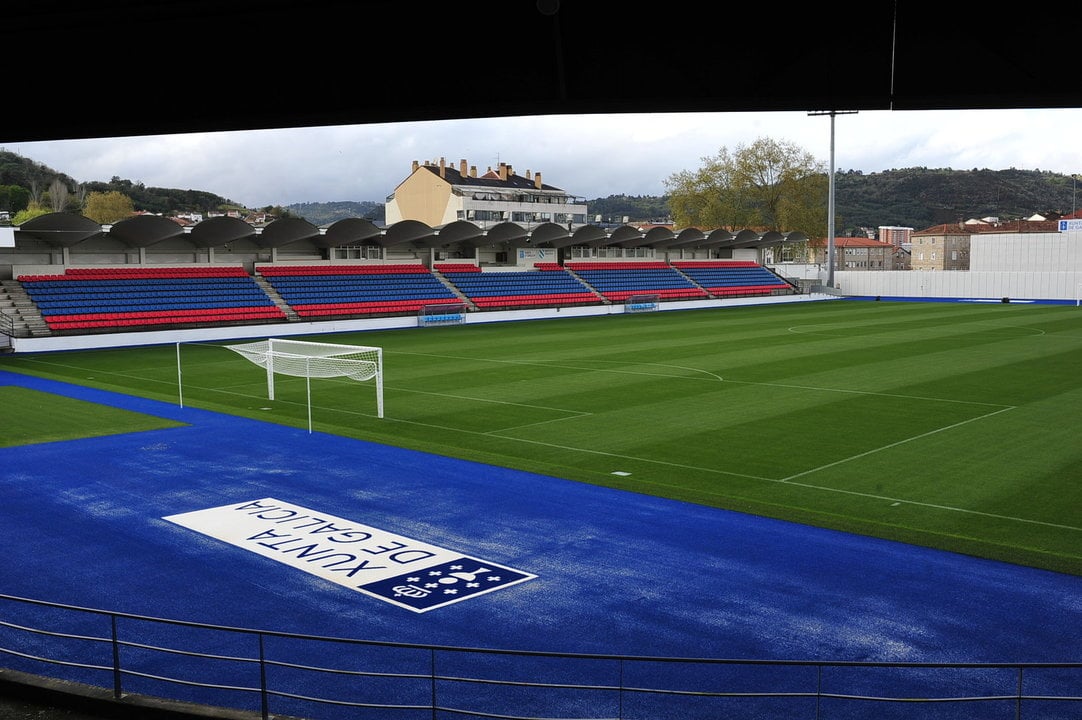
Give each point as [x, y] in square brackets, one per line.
[438, 193]
[855, 253]
[940, 247]
[896, 235]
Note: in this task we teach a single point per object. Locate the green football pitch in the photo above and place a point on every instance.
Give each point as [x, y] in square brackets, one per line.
[951, 425]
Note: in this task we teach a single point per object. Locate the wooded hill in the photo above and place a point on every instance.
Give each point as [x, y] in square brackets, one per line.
[912, 197]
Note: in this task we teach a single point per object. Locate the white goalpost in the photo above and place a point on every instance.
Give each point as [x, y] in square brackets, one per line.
[302, 358]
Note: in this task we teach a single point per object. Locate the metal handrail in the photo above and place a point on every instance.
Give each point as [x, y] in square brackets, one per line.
[603, 685]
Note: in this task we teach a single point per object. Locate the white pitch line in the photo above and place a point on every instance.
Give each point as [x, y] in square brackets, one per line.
[896, 444]
[789, 480]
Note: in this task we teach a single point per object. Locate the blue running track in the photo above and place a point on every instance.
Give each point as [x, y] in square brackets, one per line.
[616, 572]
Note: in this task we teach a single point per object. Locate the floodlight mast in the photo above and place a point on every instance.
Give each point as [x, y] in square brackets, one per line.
[830, 194]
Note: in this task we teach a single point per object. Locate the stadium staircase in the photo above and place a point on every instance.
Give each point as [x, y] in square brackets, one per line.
[728, 278]
[551, 266]
[277, 299]
[517, 289]
[617, 281]
[316, 291]
[21, 315]
[436, 270]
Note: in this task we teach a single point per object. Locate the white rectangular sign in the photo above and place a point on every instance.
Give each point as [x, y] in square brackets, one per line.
[399, 570]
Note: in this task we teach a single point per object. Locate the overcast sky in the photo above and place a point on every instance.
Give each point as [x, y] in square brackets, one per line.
[589, 156]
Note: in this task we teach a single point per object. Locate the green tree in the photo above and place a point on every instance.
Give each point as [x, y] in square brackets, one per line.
[108, 207]
[32, 211]
[14, 198]
[769, 184]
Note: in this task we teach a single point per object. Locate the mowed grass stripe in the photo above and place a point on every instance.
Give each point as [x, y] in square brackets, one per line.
[947, 424]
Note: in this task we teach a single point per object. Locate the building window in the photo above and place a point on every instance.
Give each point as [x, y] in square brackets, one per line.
[357, 252]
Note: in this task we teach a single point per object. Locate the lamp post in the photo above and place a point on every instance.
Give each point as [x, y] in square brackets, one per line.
[830, 193]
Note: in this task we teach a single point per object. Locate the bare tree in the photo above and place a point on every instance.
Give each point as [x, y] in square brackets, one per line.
[58, 195]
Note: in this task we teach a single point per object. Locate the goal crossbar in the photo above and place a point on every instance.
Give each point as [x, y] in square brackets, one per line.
[302, 358]
[307, 359]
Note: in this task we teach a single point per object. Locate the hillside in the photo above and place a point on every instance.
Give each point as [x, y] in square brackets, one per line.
[923, 197]
[325, 213]
[909, 197]
[912, 197]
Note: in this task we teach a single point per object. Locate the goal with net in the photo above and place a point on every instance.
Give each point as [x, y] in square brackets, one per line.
[301, 358]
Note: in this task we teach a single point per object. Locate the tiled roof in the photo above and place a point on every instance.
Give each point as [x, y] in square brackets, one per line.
[489, 179]
[1011, 226]
[854, 242]
[946, 229]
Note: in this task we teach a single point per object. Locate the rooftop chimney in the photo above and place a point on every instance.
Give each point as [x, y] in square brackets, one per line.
[443, 168]
[537, 180]
[462, 168]
[415, 166]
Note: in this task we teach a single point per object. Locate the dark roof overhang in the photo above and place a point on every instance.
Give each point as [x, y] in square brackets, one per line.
[143, 231]
[218, 231]
[61, 228]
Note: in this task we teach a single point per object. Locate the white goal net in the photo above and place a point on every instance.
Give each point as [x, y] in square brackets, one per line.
[301, 358]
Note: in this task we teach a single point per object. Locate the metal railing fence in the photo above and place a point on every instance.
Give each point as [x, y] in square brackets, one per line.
[284, 674]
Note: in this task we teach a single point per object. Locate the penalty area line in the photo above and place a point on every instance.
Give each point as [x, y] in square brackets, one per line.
[897, 501]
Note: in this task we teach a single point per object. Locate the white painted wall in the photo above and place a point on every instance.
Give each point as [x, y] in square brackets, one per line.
[961, 284]
[1043, 266]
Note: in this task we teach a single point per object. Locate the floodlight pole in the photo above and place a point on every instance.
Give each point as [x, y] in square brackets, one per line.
[830, 193]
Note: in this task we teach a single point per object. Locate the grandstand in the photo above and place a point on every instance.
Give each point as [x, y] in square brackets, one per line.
[104, 300]
[315, 291]
[295, 297]
[761, 618]
[728, 277]
[617, 281]
[546, 285]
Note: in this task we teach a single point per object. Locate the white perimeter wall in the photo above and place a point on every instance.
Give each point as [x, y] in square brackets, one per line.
[1044, 266]
[961, 284]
